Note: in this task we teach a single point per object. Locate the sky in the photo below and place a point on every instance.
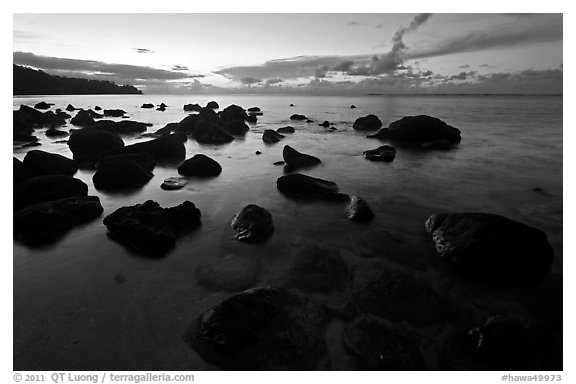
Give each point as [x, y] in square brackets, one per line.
[342, 53]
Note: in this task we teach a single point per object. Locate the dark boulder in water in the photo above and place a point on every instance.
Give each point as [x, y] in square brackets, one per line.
[383, 153]
[233, 112]
[253, 224]
[270, 136]
[359, 210]
[20, 172]
[88, 144]
[491, 248]
[352, 106]
[123, 171]
[419, 130]
[297, 117]
[97, 108]
[295, 159]
[287, 129]
[367, 123]
[235, 127]
[397, 295]
[187, 125]
[165, 149]
[314, 269]
[114, 112]
[262, 329]
[82, 119]
[161, 108]
[212, 105]
[129, 127]
[192, 108]
[208, 115]
[200, 166]
[63, 115]
[46, 222]
[95, 115]
[45, 163]
[210, 133]
[27, 117]
[252, 118]
[53, 132]
[174, 183]
[379, 346]
[70, 108]
[325, 124]
[299, 185]
[43, 105]
[162, 105]
[42, 189]
[147, 105]
[52, 120]
[254, 109]
[149, 229]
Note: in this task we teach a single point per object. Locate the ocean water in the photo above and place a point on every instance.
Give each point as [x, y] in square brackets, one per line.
[72, 306]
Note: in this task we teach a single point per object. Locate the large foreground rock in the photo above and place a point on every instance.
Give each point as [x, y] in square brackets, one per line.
[491, 248]
[149, 229]
[233, 112]
[45, 163]
[367, 123]
[380, 347]
[123, 171]
[298, 185]
[165, 149]
[200, 166]
[261, 329]
[89, 144]
[253, 224]
[20, 172]
[295, 159]
[46, 222]
[47, 188]
[419, 130]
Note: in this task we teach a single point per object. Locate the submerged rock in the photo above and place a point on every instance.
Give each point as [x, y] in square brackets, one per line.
[298, 185]
[261, 329]
[297, 117]
[228, 273]
[270, 136]
[174, 183]
[45, 163]
[253, 224]
[379, 346]
[383, 153]
[46, 222]
[491, 248]
[325, 124]
[317, 270]
[287, 129]
[47, 188]
[367, 123]
[254, 109]
[200, 166]
[149, 229]
[358, 210]
[295, 159]
[123, 171]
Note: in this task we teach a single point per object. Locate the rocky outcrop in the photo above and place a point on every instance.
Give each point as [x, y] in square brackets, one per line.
[270, 136]
[261, 329]
[47, 188]
[252, 118]
[200, 166]
[295, 159]
[367, 123]
[45, 163]
[46, 222]
[359, 210]
[491, 248]
[253, 224]
[383, 153]
[235, 127]
[43, 105]
[149, 229]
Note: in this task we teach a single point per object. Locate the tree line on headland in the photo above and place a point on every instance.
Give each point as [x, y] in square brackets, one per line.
[28, 81]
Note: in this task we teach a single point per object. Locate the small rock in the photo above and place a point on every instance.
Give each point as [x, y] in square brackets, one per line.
[297, 117]
[383, 153]
[270, 136]
[200, 166]
[253, 224]
[287, 129]
[295, 159]
[358, 210]
[173, 183]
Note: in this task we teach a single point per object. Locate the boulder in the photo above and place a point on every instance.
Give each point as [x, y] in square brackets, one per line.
[63, 115]
[212, 105]
[97, 108]
[352, 106]
[209, 133]
[261, 329]
[82, 119]
[174, 183]
[297, 117]
[149, 229]
[295, 159]
[298, 185]
[88, 144]
[147, 105]
[70, 108]
[253, 224]
[254, 109]
[42, 189]
[52, 120]
[21, 172]
[418, 130]
[123, 171]
[397, 295]
[42, 105]
[314, 269]
[359, 210]
[325, 124]
[162, 105]
[228, 273]
[287, 129]
[30, 145]
[95, 115]
[200, 166]
[45, 163]
[165, 149]
[186, 125]
[129, 127]
[192, 108]
[168, 129]
[367, 123]
[235, 127]
[379, 346]
[383, 153]
[207, 114]
[233, 112]
[53, 132]
[161, 108]
[46, 222]
[252, 118]
[491, 248]
[114, 112]
[270, 136]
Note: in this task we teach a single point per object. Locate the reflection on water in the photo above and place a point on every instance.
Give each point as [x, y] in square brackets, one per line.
[67, 295]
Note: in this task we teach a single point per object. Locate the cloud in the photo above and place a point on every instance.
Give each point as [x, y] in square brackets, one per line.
[250, 80]
[462, 75]
[273, 81]
[121, 73]
[464, 66]
[179, 68]
[143, 50]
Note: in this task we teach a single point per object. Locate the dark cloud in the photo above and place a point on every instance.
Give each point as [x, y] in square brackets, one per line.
[250, 80]
[273, 81]
[143, 50]
[179, 68]
[121, 73]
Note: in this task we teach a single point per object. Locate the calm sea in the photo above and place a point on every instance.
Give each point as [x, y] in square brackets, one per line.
[510, 146]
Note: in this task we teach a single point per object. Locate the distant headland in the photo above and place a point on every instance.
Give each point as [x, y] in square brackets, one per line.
[28, 81]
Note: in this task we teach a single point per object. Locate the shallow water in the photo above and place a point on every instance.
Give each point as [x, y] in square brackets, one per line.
[71, 302]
